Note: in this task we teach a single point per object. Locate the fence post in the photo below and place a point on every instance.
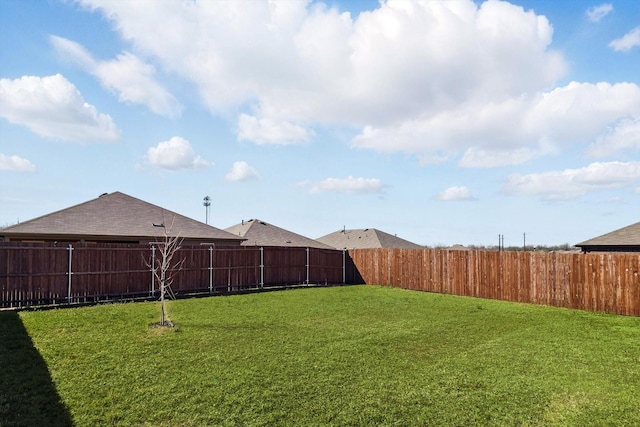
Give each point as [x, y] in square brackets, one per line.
[69, 273]
[307, 281]
[210, 269]
[261, 267]
[344, 267]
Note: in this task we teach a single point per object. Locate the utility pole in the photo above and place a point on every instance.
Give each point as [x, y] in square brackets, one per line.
[524, 241]
[206, 203]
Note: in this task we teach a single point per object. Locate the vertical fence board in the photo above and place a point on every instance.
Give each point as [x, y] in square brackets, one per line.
[606, 282]
[36, 274]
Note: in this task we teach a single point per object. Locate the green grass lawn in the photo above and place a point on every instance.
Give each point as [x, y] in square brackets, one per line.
[344, 356]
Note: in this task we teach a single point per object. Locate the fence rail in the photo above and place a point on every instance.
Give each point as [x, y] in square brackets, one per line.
[605, 282]
[42, 274]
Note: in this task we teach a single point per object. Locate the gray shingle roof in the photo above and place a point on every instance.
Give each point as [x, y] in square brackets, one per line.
[116, 216]
[625, 236]
[365, 239]
[260, 233]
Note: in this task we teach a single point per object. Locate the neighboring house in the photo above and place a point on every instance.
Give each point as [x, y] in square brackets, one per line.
[260, 233]
[458, 248]
[365, 239]
[116, 218]
[626, 239]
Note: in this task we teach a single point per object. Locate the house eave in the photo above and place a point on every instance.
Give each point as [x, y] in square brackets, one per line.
[608, 248]
[96, 238]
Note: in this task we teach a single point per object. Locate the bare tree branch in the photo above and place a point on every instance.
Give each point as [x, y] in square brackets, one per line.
[166, 267]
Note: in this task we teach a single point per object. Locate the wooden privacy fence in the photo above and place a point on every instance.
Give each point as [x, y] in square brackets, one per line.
[606, 282]
[42, 274]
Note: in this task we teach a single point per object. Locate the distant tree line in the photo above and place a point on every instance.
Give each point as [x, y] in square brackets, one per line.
[565, 247]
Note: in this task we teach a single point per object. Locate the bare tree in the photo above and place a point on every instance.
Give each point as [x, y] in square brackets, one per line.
[165, 266]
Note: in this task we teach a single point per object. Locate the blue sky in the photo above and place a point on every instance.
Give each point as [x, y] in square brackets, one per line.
[442, 122]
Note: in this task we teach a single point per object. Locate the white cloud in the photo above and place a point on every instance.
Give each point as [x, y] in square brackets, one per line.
[437, 79]
[623, 135]
[514, 130]
[174, 154]
[53, 107]
[16, 164]
[126, 75]
[266, 131]
[297, 62]
[478, 158]
[572, 183]
[349, 185]
[241, 171]
[627, 42]
[455, 194]
[596, 13]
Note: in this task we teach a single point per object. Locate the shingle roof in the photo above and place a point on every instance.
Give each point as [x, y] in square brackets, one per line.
[625, 236]
[366, 238]
[116, 216]
[260, 233]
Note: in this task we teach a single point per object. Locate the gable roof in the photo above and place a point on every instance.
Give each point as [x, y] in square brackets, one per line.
[116, 217]
[260, 233]
[365, 239]
[626, 239]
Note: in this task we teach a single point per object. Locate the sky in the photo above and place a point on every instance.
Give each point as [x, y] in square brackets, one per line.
[442, 122]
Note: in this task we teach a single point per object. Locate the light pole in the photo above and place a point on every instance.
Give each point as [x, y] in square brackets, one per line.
[206, 203]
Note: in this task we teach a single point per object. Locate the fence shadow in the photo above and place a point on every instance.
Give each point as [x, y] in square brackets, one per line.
[28, 396]
[352, 272]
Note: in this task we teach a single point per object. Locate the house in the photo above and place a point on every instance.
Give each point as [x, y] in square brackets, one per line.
[625, 239]
[260, 233]
[365, 239]
[116, 218]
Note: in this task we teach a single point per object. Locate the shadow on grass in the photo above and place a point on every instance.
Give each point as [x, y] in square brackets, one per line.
[28, 396]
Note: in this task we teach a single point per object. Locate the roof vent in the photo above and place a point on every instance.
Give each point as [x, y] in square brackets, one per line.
[104, 194]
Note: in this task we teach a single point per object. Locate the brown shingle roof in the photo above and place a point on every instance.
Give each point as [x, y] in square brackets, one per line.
[627, 238]
[365, 239]
[116, 217]
[260, 233]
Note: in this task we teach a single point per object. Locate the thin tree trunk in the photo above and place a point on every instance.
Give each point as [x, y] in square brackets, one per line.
[162, 291]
